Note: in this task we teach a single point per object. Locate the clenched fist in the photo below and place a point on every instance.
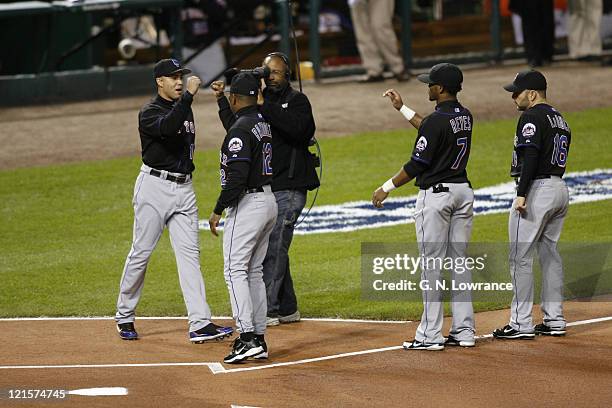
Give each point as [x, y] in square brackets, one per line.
[193, 84]
[218, 88]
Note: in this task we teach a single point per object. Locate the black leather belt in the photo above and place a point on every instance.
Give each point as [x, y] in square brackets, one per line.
[441, 188]
[177, 179]
[517, 179]
[254, 190]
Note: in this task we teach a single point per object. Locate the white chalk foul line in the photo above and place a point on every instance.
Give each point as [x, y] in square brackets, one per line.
[214, 367]
[378, 350]
[85, 318]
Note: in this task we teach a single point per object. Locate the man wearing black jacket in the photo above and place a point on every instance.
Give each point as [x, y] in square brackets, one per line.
[290, 116]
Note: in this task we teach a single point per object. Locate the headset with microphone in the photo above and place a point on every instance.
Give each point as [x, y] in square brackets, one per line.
[285, 60]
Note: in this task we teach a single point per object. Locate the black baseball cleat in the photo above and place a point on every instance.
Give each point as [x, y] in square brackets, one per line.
[508, 333]
[210, 332]
[544, 330]
[419, 345]
[372, 78]
[243, 349]
[127, 331]
[451, 341]
[262, 342]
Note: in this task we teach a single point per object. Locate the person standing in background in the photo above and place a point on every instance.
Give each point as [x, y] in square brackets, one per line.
[538, 21]
[376, 40]
[584, 38]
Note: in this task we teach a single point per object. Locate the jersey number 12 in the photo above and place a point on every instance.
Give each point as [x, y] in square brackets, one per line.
[267, 159]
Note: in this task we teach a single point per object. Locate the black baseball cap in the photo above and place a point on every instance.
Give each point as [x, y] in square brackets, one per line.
[244, 83]
[444, 74]
[169, 67]
[530, 79]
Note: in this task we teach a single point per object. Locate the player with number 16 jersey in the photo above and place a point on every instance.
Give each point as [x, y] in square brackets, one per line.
[541, 148]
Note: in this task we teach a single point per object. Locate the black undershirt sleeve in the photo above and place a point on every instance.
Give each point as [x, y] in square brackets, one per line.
[528, 172]
[413, 168]
[225, 113]
[172, 122]
[238, 174]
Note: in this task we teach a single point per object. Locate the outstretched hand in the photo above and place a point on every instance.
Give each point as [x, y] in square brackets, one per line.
[394, 97]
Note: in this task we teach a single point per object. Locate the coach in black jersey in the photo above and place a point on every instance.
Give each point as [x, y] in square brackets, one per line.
[246, 195]
[164, 196]
[290, 115]
[443, 216]
[541, 149]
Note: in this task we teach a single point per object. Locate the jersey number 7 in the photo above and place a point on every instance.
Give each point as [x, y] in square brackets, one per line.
[462, 141]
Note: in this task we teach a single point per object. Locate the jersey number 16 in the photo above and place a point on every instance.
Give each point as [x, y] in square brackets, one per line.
[559, 156]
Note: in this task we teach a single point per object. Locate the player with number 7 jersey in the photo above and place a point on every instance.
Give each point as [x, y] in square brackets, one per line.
[444, 207]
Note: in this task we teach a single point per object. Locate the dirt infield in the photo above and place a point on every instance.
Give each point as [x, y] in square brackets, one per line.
[43, 135]
[575, 370]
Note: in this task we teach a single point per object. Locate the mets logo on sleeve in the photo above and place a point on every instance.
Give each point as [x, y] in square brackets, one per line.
[235, 145]
[529, 130]
[421, 144]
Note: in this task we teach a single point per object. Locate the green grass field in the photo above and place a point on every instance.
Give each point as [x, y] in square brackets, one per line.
[66, 230]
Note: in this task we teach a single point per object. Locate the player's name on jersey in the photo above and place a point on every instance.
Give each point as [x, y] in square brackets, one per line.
[586, 186]
[261, 130]
[461, 123]
[556, 121]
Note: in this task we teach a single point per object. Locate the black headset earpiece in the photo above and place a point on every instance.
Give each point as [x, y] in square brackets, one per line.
[285, 59]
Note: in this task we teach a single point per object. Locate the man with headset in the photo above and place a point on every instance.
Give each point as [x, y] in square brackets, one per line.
[290, 115]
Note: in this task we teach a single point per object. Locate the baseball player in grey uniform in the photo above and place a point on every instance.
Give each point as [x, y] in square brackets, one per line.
[444, 204]
[164, 196]
[246, 194]
[541, 148]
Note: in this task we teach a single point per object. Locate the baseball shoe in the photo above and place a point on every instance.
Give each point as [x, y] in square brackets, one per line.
[243, 349]
[402, 76]
[544, 330]
[419, 345]
[127, 331]
[292, 318]
[451, 341]
[262, 342]
[508, 333]
[272, 321]
[210, 332]
[372, 78]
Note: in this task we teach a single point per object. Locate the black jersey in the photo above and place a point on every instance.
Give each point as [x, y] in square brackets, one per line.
[443, 144]
[245, 158]
[544, 128]
[167, 134]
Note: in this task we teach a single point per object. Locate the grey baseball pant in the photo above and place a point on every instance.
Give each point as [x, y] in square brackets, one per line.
[540, 227]
[443, 226]
[245, 242]
[159, 203]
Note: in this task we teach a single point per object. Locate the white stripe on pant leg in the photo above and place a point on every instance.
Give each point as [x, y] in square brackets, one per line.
[229, 267]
